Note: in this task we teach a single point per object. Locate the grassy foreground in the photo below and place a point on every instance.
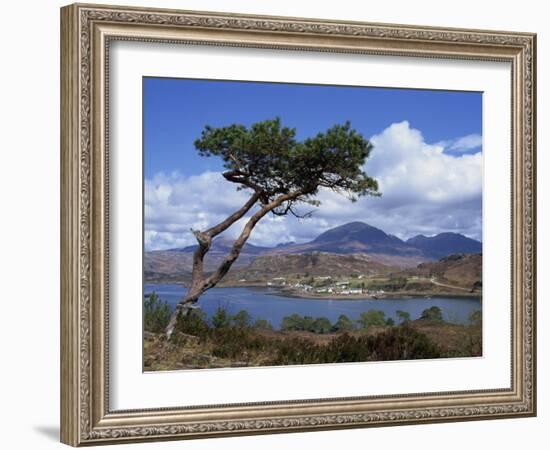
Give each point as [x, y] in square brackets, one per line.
[234, 341]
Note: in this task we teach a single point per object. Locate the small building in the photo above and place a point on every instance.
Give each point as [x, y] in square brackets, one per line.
[278, 281]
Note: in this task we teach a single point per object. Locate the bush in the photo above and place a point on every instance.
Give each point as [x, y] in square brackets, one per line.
[295, 322]
[403, 316]
[241, 320]
[433, 314]
[372, 318]
[238, 342]
[402, 343]
[321, 325]
[229, 342]
[292, 323]
[306, 323]
[221, 318]
[156, 313]
[230, 337]
[397, 343]
[193, 323]
[343, 324]
[295, 351]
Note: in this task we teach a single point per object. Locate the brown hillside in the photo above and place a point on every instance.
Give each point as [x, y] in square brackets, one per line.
[315, 264]
[463, 270]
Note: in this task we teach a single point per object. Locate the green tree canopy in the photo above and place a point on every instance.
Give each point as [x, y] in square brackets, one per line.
[403, 316]
[344, 323]
[220, 318]
[433, 314]
[372, 318]
[267, 158]
[292, 323]
[156, 313]
[242, 319]
[321, 325]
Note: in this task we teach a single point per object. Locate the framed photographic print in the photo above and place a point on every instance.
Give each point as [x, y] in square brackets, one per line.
[277, 224]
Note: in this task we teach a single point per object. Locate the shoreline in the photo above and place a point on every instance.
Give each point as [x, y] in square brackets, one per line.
[392, 296]
[335, 297]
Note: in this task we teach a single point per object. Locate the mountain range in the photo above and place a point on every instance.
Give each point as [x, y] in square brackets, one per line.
[355, 237]
[444, 244]
[348, 239]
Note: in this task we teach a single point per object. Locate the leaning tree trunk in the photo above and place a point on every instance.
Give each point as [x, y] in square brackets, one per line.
[187, 303]
[183, 308]
[200, 283]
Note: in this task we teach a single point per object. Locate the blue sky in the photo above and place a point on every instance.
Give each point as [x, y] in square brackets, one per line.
[432, 136]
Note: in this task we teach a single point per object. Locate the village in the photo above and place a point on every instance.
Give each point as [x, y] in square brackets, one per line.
[325, 285]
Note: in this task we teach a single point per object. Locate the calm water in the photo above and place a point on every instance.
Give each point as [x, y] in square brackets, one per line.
[266, 303]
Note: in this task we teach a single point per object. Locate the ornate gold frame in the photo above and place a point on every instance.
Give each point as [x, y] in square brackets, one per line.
[86, 31]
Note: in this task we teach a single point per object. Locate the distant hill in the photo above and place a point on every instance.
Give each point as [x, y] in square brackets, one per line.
[444, 244]
[265, 267]
[460, 269]
[350, 239]
[285, 244]
[356, 237]
[169, 264]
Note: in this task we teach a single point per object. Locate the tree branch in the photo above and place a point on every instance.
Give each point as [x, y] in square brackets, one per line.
[240, 177]
[235, 160]
[222, 226]
[204, 241]
[228, 261]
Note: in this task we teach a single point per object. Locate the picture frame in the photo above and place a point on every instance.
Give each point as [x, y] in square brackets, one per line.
[87, 33]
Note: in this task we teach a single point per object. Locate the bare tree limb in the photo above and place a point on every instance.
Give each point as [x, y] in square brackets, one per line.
[198, 281]
[243, 178]
[235, 251]
[222, 226]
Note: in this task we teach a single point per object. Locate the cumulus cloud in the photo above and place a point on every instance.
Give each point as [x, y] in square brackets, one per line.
[175, 204]
[410, 170]
[425, 190]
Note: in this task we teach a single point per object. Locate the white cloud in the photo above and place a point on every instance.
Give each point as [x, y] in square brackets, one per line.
[424, 190]
[410, 170]
[174, 204]
[463, 144]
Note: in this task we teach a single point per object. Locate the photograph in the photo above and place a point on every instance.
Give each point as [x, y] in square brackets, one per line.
[329, 221]
[291, 224]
